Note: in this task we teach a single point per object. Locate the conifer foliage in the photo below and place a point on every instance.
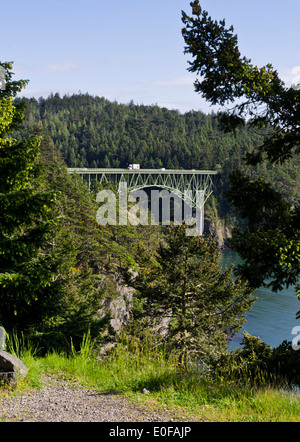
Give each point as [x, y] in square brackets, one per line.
[259, 98]
[27, 265]
[202, 304]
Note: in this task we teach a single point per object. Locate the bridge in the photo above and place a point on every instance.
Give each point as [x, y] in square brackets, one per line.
[190, 183]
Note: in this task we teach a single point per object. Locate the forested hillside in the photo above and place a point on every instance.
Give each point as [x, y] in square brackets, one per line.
[94, 132]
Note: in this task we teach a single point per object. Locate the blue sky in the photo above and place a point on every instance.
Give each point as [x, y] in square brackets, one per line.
[133, 50]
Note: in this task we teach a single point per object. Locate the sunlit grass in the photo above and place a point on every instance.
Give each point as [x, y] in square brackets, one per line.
[130, 367]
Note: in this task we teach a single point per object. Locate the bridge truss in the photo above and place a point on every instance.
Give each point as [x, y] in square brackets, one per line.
[180, 182]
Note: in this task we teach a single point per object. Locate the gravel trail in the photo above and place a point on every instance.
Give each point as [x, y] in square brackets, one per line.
[62, 401]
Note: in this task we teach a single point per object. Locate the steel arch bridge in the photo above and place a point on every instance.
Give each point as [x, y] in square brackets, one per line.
[180, 182]
[172, 180]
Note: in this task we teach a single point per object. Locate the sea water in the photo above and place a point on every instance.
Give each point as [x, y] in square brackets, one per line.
[272, 316]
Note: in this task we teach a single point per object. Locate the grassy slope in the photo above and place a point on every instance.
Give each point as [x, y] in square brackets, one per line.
[129, 369]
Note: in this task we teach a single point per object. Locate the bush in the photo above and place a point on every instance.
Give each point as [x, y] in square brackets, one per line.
[258, 364]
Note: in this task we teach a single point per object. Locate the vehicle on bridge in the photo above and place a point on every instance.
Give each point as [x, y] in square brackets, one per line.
[134, 166]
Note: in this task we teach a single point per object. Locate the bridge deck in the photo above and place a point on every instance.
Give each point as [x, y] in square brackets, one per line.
[142, 171]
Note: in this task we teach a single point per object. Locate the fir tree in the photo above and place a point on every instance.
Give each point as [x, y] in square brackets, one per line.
[202, 303]
[27, 266]
[261, 100]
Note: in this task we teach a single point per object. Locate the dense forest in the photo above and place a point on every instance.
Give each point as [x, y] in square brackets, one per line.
[94, 132]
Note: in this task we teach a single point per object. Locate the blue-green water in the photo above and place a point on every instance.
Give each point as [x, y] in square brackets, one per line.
[272, 316]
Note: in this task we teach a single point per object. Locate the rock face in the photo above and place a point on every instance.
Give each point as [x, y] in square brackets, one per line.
[118, 305]
[12, 369]
[119, 308]
[222, 232]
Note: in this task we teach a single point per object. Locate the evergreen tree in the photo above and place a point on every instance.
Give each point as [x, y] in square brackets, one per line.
[27, 266]
[269, 248]
[202, 303]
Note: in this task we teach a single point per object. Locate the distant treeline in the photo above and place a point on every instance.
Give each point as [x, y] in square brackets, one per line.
[94, 132]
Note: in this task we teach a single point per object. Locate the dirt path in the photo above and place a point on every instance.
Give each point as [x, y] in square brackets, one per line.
[62, 401]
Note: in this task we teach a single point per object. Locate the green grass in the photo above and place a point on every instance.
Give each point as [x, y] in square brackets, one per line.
[129, 368]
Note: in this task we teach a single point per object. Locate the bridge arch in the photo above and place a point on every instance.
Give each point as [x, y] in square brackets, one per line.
[186, 195]
[195, 185]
